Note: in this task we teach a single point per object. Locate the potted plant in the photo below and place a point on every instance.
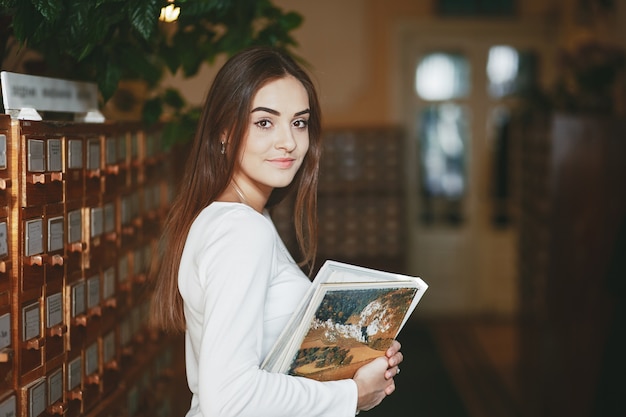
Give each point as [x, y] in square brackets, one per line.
[591, 75]
[107, 41]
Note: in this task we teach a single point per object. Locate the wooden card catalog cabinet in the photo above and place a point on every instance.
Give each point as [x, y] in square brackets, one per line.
[8, 406]
[93, 297]
[78, 305]
[93, 375]
[110, 223]
[6, 351]
[124, 285]
[6, 162]
[93, 217]
[96, 223]
[32, 342]
[110, 241]
[115, 172]
[34, 257]
[129, 218]
[110, 156]
[135, 175]
[136, 324]
[5, 260]
[54, 231]
[126, 340]
[56, 404]
[123, 158]
[81, 206]
[75, 243]
[92, 363]
[42, 155]
[152, 148]
[139, 265]
[75, 168]
[109, 293]
[110, 362]
[74, 378]
[110, 351]
[6, 182]
[154, 157]
[144, 319]
[35, 398]
[54, 170]
[56, 329]
[76, 313]
[94, 310]
[93, 168]
[164, 363]
[152, 209]
[34, 156]
[133, 400]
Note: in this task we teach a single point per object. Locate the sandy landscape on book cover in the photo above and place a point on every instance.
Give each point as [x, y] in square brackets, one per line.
[349, 329]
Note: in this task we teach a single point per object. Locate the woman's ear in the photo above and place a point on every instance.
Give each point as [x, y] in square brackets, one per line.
[223, 141]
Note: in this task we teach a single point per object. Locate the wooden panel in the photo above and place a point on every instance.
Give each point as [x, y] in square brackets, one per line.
[361, 204]
[572, 201]
[66, 284]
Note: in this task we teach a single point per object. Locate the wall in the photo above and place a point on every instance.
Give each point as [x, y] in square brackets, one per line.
[353, 50]
[349, 45]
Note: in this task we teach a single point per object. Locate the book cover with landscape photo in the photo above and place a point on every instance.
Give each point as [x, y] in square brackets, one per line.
[350, 328]
[349, 317]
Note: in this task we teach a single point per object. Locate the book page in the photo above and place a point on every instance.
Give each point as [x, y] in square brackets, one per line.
[346, 326]
[338, 274]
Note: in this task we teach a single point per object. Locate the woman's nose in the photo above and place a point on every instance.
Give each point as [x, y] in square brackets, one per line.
[286, 139]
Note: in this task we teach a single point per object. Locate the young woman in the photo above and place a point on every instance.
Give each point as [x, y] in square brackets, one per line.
[225, 277]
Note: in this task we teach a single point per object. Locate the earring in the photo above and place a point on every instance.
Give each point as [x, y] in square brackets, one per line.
[223, 150]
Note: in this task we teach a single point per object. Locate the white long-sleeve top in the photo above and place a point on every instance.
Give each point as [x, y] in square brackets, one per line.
[239, 286]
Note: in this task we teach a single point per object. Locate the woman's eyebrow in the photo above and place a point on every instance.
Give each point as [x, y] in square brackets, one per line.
[277, 113]
[266, 109]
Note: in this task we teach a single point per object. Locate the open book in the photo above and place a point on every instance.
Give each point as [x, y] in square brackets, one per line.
[348, 317]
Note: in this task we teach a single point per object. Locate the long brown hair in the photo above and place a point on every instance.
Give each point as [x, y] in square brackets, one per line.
[208, 172]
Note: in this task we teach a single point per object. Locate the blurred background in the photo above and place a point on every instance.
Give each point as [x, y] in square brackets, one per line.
[480, 145]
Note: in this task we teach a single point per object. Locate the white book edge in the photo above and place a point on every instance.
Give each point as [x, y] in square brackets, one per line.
[279, 357]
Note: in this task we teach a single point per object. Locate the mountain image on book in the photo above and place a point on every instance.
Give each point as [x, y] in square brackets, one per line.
[349, 316]
[350, 328]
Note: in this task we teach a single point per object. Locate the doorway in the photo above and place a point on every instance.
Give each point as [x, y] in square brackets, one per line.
[456, 85]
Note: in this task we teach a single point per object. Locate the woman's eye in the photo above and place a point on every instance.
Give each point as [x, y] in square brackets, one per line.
[301, 123]
[264, 124]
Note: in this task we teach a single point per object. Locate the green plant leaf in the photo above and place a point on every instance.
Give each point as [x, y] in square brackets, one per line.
[49, 9]
[174, 99]
[181, 130]
[144, 15]
[26, 20]
[107, 40]
[291, 21]
[152, 110]
[190, 63]
[137, 63]
[108, 77]
[6, 6]
[169, 55]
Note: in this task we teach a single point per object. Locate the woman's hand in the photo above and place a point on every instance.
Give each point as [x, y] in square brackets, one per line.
[375, 380]
[394, 357]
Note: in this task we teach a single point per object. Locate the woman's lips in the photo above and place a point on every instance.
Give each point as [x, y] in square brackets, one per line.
[283, 163]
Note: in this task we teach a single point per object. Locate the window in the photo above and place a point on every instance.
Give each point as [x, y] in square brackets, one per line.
[442, 76]
[511, 77]
[509, 71]
[442, 80]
